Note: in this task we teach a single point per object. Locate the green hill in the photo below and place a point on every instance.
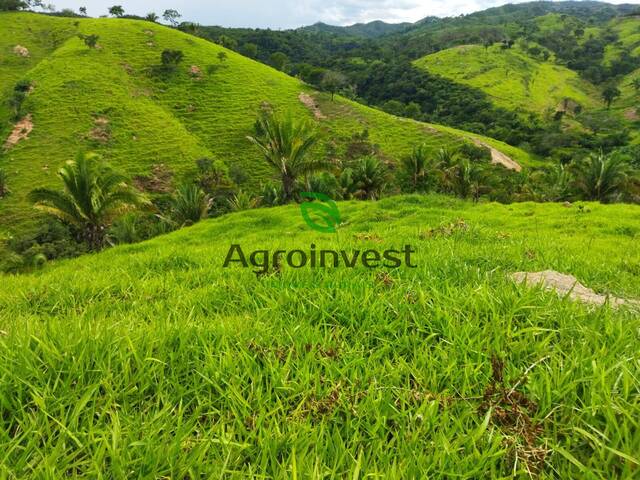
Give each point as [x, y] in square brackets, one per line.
[153, 358]
[109, 100]
[365, 30]
[513, 79]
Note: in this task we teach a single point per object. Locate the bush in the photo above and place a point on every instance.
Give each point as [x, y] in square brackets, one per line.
[90, 41]
[171, 58]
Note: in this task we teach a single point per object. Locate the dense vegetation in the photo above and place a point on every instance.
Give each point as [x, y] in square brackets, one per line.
[583, 37]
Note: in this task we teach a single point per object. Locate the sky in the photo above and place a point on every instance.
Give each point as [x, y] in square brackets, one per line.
[281, 14]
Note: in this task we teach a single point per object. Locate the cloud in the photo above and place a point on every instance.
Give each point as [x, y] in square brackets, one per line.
[295, 13]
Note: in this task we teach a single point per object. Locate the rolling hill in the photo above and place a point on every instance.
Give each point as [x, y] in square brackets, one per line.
[513, 79]
[152, 357]
[112, 100]
[365, 30]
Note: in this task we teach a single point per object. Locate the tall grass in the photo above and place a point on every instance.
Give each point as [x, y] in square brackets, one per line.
[152, 361]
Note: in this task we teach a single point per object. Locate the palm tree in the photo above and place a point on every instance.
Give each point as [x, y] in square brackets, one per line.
[189, 205]
[419, 169]
[467, 179]
[370, 175]
[601, 177]
[558, 183]
[445, 158]
[242, 201]
[93, 196]
[286, 146]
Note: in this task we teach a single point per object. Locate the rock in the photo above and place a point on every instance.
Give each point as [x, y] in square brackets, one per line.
[21, 51]
[569, 286]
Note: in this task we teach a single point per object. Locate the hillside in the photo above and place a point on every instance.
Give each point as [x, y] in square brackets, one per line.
[112, 100]
[365, 30]
[152, 357]
[513, 79]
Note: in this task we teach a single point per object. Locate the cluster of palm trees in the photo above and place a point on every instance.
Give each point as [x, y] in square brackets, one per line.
[94, 196]
[288, 145]
[447, 171]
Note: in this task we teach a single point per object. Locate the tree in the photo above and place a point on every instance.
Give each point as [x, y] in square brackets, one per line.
[90, 41]
[558, 183]
[171, 58]
[151, 17]
[189, 205]
[92, 197]
[249, 50]
[278, 60]
[286, 146]
[13, 5]
[83, 11]
[116, 11]
[171, 16]
[609, 94]
[601, 177]
[636, 84]
[333, 82]
[222, 57]
[370, 176]
[467, 179]
[227, 42]
[419, 170]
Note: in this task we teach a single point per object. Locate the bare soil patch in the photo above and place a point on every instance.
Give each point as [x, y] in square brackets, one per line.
[21, 131]
[159, 181]
[499, 158]
[100, 132]
[309, 102]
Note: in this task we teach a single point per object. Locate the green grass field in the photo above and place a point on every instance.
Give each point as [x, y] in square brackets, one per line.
[109, 101]
[152, 361]
[511, 78]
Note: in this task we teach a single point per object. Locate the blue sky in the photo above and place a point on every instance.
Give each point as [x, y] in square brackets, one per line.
[291, 13]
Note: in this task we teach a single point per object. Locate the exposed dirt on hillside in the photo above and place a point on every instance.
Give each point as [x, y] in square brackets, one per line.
[101, 132]
[499, 158]
[309, 102]
[21, 131]
[632, 114]
[569, 286]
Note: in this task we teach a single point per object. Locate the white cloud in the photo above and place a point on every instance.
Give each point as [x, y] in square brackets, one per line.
[294, 13]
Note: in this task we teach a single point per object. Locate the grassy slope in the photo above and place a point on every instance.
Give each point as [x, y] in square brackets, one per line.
[627, 106]
[172, 120]
[511, 78]
[152, 358]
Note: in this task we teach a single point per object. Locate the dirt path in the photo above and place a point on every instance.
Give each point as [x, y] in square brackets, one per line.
[310, 103]
[499, 158]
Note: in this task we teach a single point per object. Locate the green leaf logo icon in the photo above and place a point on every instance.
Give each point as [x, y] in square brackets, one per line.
[326, 216]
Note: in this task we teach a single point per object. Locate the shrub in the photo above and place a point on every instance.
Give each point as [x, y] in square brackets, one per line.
[90, 41]
[171, 58]
[189, 205]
